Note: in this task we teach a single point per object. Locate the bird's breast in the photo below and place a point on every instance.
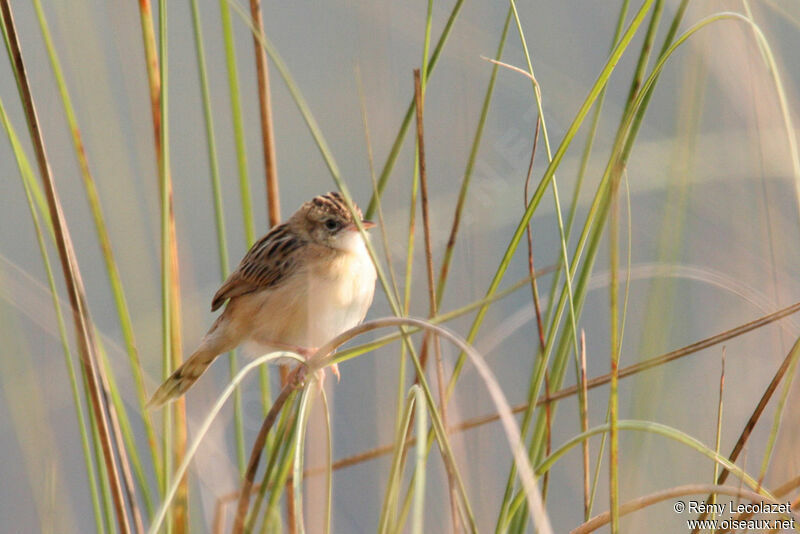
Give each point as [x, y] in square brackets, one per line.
[339, 293]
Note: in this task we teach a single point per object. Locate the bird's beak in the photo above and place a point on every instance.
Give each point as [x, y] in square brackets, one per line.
[366, 224]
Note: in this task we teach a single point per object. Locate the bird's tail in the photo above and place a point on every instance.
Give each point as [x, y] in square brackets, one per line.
[183, 377]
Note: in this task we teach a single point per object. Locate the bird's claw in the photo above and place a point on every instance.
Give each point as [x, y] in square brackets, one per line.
[321, 374]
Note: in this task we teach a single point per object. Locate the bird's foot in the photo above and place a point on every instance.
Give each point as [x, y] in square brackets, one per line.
[321, 374]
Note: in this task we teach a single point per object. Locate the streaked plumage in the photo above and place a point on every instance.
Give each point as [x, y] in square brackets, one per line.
[306, 281]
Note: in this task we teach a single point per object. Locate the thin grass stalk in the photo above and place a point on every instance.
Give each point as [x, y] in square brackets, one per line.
[418, 515]
[282, 478]
[296, 381]
[529, 237]
[586, 154]
[584, 428]
[74, 283]
[621, 332]
[244, 192]
[718, 436]
[473, 154]
[238, 126]
[297, 462]
[596, 479]
[285, 424]
[591, 496]
[535, 295]
[213, 163]
[616, 347]
[665, 47]
[121, 440]
[326, 514]
[401, 374]
[379, 204]
[265, 116]
[616, 343]
[426, 223]
[394, 479]
[412, 213]
[102, 472]
[419, 165]
[786, 115]
[154, 76]
[778, 415]
[691, 349]
[27, 178]
[398, 142]
[102, 234]
[174, 418]
[123, 435]
[270, 156]
[666, 495]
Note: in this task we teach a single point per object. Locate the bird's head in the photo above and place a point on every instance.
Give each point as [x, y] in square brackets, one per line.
[327, 221]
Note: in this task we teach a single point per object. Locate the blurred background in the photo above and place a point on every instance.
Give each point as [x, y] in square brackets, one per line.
[714, 242]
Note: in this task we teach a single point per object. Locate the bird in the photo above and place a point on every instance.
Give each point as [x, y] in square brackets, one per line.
[306, 281]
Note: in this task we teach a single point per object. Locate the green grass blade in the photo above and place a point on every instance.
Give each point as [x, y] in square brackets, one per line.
[418, 515]
[473, 155]
[238, 126]
[661, 430]
[244, 192]
[328, 465]
[166, 301]
[26, 175]
[281, 437]
[299, 450]
[102, 233]
[394, 479]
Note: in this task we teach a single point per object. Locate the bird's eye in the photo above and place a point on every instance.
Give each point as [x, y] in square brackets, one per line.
[331, 224]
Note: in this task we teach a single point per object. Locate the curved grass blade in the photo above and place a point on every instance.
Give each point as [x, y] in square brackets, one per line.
[661, 496]
[203, 430]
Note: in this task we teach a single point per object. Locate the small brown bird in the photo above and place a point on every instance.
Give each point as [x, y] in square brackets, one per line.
[306, 281]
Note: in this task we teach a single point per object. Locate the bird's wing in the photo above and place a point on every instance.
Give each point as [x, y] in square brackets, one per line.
[268, 262]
